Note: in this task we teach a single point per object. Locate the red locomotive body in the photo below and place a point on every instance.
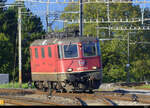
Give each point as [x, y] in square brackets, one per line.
[72, 63]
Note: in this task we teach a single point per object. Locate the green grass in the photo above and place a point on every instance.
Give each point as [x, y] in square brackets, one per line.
[138, 87]
[143, 86]
[15, 85]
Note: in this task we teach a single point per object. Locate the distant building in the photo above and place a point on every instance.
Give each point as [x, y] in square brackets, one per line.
[4, 78]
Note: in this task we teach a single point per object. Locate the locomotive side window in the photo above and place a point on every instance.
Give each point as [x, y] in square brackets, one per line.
[70, 51]
[42, 51]
[36, 53]
[89, 49]
[49, 52]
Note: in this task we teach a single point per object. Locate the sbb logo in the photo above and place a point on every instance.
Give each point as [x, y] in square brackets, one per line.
[82, 62]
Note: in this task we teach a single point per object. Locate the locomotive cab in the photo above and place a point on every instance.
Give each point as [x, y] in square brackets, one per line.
[72, 63]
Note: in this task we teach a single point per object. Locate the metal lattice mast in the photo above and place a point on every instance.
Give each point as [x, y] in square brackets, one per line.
[81, 18]
[142, 12]
[108, 16]
[47, 16]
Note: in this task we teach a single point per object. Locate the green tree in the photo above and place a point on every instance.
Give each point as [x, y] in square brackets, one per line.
[6, 39]
[32, 29]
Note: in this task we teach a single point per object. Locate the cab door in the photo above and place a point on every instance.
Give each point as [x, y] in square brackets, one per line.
[55, 58]
[43, 61]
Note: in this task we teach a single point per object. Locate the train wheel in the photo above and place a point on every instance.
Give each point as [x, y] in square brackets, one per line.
[91, 91]
[69, 88]
[44, 89]
[60, 87]
[81, 86]
[36, 84]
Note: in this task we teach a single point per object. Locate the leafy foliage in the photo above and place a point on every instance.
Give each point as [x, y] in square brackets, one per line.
[31, 29]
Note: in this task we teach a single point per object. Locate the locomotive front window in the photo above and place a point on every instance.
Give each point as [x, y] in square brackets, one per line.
[70, 51]
[89, 49]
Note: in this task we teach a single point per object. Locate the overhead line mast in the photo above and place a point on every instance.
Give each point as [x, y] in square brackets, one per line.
[47, 16]
[81, 18]
[19, 47]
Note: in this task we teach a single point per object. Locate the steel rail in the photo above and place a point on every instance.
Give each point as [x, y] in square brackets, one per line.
[18, 94]
[141, 100]
[27, 101]
[107, 98]
[145, 99]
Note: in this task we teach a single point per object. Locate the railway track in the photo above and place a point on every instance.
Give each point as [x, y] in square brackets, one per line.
[32, 97]
[11, 96]
[24, 101]
[138, 98]
[35, 97]
[84, 97]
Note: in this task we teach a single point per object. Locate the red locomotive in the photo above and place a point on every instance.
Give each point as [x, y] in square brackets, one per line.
[68, 63]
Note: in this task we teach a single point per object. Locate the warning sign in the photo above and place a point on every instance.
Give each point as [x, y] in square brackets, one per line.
[1, 102]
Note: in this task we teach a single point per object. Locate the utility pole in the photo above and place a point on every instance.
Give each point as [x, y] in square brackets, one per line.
[97, 26]
[81, 18]
[142, 12]
[108, 13]
[47, 16]
[19, 47]
[108, 16]
[128, 65]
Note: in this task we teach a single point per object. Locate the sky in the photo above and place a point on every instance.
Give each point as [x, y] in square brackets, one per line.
[39, 9]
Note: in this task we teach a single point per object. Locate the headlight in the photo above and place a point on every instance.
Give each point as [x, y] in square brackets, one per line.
[69, 69]
[94, 67]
